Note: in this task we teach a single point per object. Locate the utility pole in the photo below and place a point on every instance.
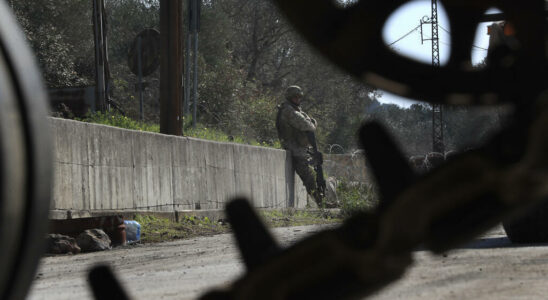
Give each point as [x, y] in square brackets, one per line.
[171, 66]
[193, 17]
[196, 29]
[140, 76]
[194, 11]
[437, 111]
[187, 59]
[98, 34]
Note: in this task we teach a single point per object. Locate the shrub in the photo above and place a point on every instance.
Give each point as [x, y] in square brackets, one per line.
[356, 197]
[202, 132]
[118, 120]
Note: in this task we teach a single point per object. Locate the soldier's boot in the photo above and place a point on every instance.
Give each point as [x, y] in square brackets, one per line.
[321, 200]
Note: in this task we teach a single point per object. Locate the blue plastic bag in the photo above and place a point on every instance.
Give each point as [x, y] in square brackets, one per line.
[133, 231]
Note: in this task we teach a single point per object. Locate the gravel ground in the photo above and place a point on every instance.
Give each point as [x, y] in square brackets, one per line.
[488, 268]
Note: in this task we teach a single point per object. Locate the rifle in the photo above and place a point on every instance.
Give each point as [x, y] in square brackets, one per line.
[318, 162]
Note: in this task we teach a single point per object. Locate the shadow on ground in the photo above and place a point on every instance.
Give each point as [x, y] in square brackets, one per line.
[497, 242]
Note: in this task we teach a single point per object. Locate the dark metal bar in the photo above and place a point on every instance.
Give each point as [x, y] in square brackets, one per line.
[171, 66]
[493, 17]
[499, 17]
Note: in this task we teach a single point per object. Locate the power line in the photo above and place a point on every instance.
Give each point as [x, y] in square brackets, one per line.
[404, 36]
[444, 29]
[449, 44]
[445, 43]
[474, 46]
[480, 48]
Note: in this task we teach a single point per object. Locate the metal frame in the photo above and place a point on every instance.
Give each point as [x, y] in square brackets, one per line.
[438, 144]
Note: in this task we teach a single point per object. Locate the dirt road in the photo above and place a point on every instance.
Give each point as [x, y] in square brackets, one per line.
[488, 268]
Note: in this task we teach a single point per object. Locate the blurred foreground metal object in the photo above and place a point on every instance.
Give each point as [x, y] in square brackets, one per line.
[439, 210]
[351, 38]
[25, 157]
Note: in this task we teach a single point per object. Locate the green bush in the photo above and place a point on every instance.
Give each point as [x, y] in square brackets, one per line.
[118, 120]
[356, 197]
[202, 132]
[219, 136]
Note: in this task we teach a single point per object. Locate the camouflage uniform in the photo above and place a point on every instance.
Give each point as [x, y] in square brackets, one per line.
[292, 123]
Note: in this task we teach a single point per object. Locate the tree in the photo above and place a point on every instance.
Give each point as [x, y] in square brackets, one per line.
[126, 18]
[59, 33]
[464, 127]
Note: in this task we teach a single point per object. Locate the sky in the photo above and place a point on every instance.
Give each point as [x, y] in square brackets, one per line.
[405, 19]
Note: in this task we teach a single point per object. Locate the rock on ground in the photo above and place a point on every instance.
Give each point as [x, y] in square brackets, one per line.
[93, 240]
[61, 244]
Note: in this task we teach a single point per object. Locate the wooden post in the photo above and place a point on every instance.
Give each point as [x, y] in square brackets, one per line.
[187, 63]
[171, 66]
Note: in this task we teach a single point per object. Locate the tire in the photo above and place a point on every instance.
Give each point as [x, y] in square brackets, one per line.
[25, 160]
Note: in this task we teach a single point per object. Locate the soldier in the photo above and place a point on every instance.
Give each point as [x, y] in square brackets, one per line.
[292, 124]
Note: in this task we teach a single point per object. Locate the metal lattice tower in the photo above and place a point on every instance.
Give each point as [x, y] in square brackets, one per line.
[437, 112]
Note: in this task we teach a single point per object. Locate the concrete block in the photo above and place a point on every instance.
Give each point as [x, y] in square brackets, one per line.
[102, 168]
[56, 214]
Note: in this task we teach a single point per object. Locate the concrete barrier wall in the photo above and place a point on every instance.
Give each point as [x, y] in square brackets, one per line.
[105, 168]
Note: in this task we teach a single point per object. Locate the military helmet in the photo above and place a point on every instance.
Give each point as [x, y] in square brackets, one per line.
[293, 91]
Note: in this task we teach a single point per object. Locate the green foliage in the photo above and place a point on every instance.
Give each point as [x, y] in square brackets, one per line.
[60, 35]
[212, 134]
[248, 55]
[355, 197]
[464, 127]
[158, 229]
[118, 120]
[283, 218]
[126, 18]
[202, 132]
[257, 119]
